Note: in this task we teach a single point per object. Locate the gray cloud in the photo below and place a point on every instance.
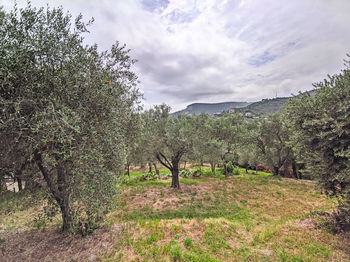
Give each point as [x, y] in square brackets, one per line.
[215, 51]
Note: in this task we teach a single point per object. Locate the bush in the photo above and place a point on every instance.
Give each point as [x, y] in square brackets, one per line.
[230, 167]
[185, 173]
[149, 176]
[188, 242]
[197, 171]
[235, 171]
[176, 253]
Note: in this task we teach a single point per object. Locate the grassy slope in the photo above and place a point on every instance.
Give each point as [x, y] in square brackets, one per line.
[244, 218]
[247, 218]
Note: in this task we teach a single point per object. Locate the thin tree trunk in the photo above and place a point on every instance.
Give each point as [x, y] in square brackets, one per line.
[275, 171]
[295, 170]
[128, 169]
[149, 167]
[156, 168]
[3, 186]
[20, 185]
[226, 171]
[246, 169]
[185, 165]
[212, 166]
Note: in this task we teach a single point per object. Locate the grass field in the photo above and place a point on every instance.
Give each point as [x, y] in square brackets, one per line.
[247, 217]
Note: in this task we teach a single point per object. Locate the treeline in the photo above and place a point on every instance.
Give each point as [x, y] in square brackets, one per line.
[71, 124]
[209, 139]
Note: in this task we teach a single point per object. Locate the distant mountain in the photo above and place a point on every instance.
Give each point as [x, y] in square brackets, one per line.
[264, 107]
[209, 108]
[258, 109]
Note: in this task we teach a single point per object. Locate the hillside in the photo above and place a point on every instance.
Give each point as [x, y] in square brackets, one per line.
[209, 108]
[265, 107]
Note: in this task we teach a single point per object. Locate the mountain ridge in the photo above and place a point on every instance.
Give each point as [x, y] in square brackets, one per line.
[209, 108]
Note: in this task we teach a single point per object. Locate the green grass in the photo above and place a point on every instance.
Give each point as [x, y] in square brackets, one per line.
[248, 217]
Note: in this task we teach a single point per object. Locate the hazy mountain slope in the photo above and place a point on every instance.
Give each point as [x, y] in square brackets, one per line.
[266, 106]
[209, 108]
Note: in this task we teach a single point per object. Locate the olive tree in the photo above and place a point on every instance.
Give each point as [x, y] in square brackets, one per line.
[206, 147]
[320, 125]
[67, 103]
[226, 130]
[271, 141]
[172, 138]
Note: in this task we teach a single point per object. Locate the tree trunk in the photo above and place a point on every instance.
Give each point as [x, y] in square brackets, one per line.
[64, 195]
[58, 189]
[128, 169]
[173, 166]
[20, 185]
[175, 179]
[246, 169]
[275, 171]
[149, 167]
[256, 169]
[226, 171]
[295, 170]
[185, 165]
[201, 162]
[175, 174]
[3, 186]
[66, 215]
[212, 166]
[156, 168]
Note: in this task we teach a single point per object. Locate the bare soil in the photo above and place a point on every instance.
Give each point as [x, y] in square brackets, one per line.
[51, 245]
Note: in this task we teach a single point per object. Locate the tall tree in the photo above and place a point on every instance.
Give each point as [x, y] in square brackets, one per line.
[172, 138]
[320, 125]
[271, 141]
[67, 103]
[227, 130]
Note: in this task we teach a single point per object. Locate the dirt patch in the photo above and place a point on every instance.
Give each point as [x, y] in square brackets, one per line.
[305, 223]
[51, 245]
[165, 198]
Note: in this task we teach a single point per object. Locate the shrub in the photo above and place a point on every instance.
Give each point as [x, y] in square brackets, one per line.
[176, 253]
[230, 167]
[188, 242]
[185, 173]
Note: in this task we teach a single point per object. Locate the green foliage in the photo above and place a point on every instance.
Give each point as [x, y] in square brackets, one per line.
[11, 202]
[66, 106]
[149, 176]
[230, 167]
[320, 125]
[176, 253]
[188, 242]
[185, 173]
[40, 222]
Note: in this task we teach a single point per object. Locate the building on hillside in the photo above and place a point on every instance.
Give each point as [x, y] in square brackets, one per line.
[248, 114]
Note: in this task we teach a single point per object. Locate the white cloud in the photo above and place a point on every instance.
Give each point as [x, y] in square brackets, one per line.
[214, 51]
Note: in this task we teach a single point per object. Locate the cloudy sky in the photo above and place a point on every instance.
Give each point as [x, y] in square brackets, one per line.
[218, 51]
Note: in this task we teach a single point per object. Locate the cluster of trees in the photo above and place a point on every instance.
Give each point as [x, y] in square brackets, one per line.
[202, 139]
[64, 109]
[70, 123]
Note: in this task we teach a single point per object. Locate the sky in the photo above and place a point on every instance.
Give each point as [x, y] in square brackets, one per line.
[218, 51]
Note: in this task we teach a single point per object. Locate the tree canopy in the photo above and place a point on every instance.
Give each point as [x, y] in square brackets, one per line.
[65, 104]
